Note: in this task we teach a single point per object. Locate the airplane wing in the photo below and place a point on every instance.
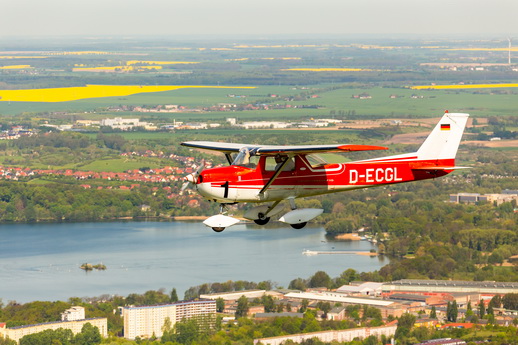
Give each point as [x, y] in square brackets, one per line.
[275, 149]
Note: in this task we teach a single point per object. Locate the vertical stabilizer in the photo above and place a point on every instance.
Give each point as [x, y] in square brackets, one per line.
[444, 140]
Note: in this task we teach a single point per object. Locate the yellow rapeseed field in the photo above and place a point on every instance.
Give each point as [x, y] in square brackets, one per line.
[114, 68]
[21, 57]
[133, 62]
[469, 86]
[88, 52]
[66, 94]
[16, 67]
[327, 69]
[514, 49]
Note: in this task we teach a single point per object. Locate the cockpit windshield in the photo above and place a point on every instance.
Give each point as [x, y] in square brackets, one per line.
[316, 161]
[246, 158]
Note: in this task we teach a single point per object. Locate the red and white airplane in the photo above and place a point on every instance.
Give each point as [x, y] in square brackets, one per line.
[271, 174]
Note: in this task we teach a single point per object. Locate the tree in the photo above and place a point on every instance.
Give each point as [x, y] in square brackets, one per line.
[268, 303]
[303, 306]
[242, 307]
[405, 324]
[433, 313]
[325, 307]
[320, 279]
[510, 301]
[89, 335]
[186, 331]
[454, 311]
[167, 325]
[49, 336]
[297, 284]
[496, 301]
[490, 310]
[481, 309]
[7, 341]
[220, 305]
[174, 296]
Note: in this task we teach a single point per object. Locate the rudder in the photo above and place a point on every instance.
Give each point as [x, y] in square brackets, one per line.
[443, 142]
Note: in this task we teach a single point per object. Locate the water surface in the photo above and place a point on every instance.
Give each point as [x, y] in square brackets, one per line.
[41, 261]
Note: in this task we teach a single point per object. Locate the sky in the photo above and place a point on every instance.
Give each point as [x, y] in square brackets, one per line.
[259, 17]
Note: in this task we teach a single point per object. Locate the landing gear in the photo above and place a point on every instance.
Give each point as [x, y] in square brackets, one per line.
[297, 218]
[262, 220]
[219, 222]
[298, 225]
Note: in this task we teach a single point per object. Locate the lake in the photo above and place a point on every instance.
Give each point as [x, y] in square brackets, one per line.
[41, 261]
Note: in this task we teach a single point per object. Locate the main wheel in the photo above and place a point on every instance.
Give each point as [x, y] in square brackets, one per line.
[262, 220]
[298, 225]
[218, 228]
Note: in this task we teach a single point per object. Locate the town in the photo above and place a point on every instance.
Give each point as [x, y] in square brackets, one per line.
[370, 309]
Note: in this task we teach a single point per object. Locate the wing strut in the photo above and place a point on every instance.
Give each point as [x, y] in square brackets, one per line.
[275, 175]
[229, 158]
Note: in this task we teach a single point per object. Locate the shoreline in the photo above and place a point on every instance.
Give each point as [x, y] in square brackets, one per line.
[349, 237]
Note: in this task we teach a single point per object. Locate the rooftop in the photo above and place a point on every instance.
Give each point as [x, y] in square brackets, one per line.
[452, 283]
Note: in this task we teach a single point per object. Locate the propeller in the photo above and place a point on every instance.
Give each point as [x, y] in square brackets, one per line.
[192, 177]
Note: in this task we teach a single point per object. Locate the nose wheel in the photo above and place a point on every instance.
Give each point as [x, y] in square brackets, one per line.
[219, 222]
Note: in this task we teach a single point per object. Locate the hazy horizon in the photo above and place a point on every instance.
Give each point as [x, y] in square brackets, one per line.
[232, 18]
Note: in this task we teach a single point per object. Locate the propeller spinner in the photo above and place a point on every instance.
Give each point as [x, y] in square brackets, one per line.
[192, 177]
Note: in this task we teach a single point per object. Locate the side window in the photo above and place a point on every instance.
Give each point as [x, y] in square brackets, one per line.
[272, 163]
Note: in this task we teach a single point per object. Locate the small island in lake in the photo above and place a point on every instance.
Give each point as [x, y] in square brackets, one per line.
[90, 267]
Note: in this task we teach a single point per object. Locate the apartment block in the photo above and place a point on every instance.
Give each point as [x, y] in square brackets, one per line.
[16, 333]
[146, 321]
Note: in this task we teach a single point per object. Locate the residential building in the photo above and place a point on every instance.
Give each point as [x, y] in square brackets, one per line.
[73, 314]
[337, 314]
[146, 321]
[333, 336]
[16, 333]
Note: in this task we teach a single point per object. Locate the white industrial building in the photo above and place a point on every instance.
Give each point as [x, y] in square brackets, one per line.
[366, 289]
[234, 296]
[124, 124]
[337, 297]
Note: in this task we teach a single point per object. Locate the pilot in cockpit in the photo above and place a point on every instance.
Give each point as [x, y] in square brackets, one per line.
[279, 159]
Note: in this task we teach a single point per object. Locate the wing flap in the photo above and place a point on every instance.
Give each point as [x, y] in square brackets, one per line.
[433, 168]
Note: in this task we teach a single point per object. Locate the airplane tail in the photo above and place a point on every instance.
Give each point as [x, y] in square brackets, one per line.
[443, 142]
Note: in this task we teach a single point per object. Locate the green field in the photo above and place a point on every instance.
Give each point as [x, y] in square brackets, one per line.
[332, 103]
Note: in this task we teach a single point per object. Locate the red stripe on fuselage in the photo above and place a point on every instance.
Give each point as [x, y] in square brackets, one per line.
[349, 174]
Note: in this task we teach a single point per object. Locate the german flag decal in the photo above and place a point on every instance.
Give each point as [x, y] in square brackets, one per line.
[445, 127]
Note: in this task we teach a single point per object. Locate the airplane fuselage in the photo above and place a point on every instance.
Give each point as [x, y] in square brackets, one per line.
[244, 184]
